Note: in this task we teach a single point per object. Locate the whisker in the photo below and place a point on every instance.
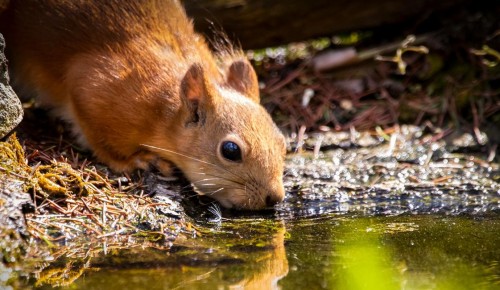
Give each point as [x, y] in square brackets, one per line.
[230, 185]
[191, 195]
[207, 179]
[189, 157]
[207, 184]
[215, 191]
[210, 186]
[222, 177]
[171, 151]
[216, 211]
[186, 187]
[253, 184]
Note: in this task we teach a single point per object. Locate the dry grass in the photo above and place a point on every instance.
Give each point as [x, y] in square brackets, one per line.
[74, 199]
[446, 82]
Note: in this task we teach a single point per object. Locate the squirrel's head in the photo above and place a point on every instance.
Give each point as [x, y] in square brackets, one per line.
[228, 147]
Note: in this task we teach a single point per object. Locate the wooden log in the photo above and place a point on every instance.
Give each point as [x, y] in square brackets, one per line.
[264, 23]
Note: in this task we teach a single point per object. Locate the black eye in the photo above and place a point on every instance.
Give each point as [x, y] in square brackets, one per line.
[231, 151]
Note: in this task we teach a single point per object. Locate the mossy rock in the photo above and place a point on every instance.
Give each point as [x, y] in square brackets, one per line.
[11, 110]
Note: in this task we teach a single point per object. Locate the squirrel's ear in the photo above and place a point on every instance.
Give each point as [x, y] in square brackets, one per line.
[242, 77]
[195, 94]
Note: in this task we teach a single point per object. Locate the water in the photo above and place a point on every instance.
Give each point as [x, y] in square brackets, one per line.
[404, 252]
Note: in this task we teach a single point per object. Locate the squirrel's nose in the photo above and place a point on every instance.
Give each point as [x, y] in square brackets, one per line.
[274, 198]
[270, 201]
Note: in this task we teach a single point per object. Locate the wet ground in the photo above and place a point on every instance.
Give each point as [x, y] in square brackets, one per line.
[409, 172]
[409, 208]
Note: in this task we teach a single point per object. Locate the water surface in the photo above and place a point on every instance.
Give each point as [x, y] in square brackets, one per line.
[404, 252]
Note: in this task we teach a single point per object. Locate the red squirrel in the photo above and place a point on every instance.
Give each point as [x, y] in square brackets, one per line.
[140, 87]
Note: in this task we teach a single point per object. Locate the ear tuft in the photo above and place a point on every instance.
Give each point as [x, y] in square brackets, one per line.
[242, 77]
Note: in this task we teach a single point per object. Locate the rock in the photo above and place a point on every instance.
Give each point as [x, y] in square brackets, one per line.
[11, 110]
[14, 200]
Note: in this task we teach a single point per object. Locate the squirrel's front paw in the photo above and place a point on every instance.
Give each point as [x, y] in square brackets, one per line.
[165, 167]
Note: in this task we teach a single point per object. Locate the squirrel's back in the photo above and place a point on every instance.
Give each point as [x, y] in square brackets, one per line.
[82, 25]
[43, 37]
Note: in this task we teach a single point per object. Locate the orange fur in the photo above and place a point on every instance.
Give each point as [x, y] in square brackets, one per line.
[140, 87]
